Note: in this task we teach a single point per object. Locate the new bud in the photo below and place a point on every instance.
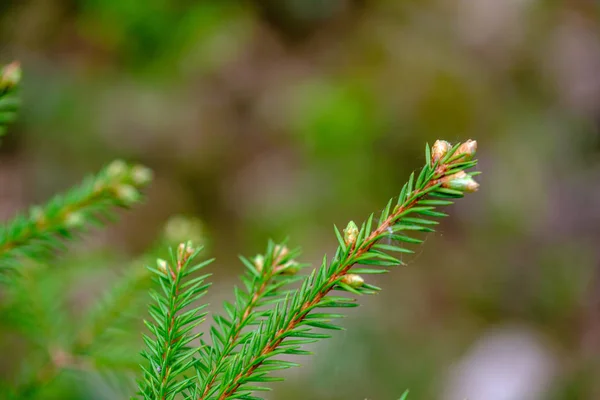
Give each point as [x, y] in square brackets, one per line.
[460, 181]
[180, 251]
[467, 150]
[11, 76]
[259, 262]
[279, 253]
[353, 280]
[184, 251]
[351, 234]
[162, 265]
[74, 220]
[189, 248]
[127, 194]
[116, 169]
[141, 175]
[439, 150]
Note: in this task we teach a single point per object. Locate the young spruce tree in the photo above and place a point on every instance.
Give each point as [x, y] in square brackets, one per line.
[266, 319]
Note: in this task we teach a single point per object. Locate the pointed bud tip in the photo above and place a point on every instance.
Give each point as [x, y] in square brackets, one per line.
[472, 186]
[467, 150]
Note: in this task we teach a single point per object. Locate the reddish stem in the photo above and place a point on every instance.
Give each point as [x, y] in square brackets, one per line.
[355, 253]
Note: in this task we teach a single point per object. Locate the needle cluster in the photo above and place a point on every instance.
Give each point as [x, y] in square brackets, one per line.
[239, 362]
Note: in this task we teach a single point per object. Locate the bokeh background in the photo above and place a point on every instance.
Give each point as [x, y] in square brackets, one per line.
[278, 118]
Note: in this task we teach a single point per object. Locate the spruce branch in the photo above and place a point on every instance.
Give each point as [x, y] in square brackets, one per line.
[265, 276]
[93, 344]
[290, 325]
[10, 79]
[121, 300]
[169, 351]
[36, 234]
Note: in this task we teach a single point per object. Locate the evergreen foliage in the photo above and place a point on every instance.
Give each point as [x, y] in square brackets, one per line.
[275, 313]
[32, 302]
[39, 232]
[237, 364]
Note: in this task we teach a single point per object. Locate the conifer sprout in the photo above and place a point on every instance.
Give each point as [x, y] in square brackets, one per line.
[268, 319]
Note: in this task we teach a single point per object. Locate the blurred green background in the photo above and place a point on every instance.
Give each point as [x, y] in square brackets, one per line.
[275, 118]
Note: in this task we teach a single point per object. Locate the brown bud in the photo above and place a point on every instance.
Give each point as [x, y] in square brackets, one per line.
[184, 250]
[467, 150]
[439, 150]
